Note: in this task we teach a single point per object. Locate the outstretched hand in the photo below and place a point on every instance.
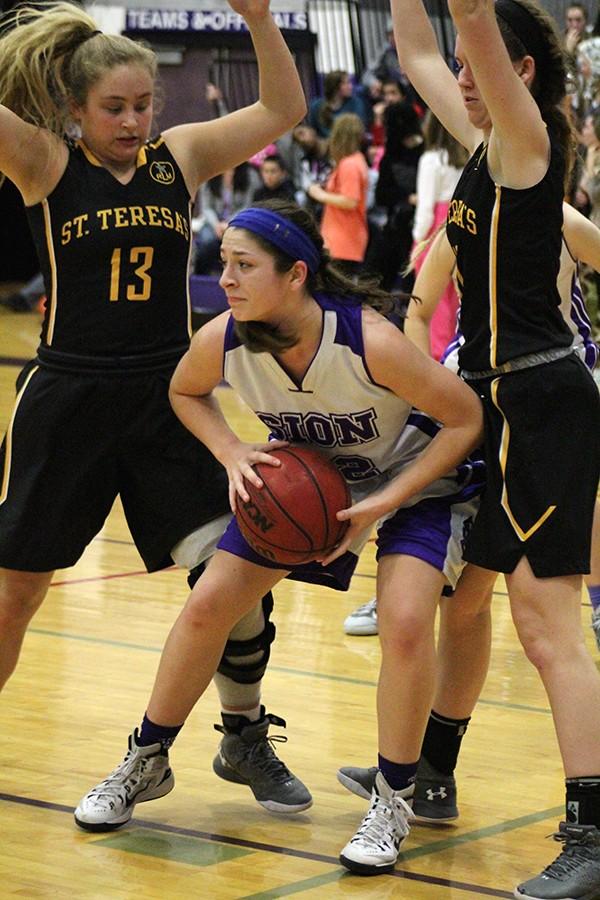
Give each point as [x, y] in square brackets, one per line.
[250, 9]
[239, 466]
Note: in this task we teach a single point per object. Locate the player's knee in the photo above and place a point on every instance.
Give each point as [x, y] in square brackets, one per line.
[245, 661]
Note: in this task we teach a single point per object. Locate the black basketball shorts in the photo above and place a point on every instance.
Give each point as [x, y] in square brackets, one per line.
[77, 440]
[542, 451]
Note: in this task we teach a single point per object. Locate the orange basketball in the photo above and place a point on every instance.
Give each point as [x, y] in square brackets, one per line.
[291, 519]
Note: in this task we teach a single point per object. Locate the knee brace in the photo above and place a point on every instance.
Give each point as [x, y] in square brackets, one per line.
[250, 672]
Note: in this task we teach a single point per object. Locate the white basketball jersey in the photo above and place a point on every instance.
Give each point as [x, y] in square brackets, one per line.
[363, 427]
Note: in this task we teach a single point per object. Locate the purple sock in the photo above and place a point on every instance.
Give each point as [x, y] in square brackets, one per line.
[594, 592]
[151, 733]
[397, 775]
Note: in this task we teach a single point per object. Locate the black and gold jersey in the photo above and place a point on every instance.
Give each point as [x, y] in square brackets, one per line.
[507, 244]
[115, 257]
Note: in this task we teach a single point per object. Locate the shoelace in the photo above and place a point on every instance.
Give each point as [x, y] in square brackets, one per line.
[368, 607]
[263, 754]
[570, 856]
[129, 773]
[378, 826]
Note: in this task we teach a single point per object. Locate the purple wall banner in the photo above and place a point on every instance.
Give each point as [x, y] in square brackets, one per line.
[178, 20]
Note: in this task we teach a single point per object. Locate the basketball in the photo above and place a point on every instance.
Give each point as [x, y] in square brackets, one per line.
[291, 519]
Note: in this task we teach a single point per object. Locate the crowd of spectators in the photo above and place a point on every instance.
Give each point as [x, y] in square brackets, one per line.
[376, 169]
[582, 46]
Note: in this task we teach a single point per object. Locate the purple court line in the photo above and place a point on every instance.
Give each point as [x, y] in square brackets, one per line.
[12, 361]
[255, 845]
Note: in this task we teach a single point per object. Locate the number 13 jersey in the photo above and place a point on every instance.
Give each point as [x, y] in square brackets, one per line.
[115, 256]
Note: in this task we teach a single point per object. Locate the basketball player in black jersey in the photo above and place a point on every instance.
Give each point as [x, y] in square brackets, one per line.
[541, 404]
[110, 214]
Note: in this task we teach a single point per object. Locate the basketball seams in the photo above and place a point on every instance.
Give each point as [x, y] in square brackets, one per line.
[288, 516]
[319, 485]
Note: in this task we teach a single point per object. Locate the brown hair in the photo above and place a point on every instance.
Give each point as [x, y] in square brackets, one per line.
[331, 85]
[438, 138]
[262, 337]
[549, 84]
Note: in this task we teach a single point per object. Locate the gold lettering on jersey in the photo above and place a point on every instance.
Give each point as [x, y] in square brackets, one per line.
[153, 217]
[129, 217]
[74, 228]
[121, 216]
[462, 215]
[162, 172]
[137, 216]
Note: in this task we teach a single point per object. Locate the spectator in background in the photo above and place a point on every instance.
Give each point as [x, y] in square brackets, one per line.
[396, 194]
[588, 65]
[438, 171]
[338, 98]
[276, 183]
[575, 31]
[392, 91]
[588, 197]
[219, 199]
[310, 163]
[344, 223]
[387, 69]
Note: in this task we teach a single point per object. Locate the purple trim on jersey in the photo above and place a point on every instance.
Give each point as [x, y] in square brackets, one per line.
[349, 320]
[422, 531]
[423, 423]
[454, 345]
[336, 575]
[579, 316]
[231, 340]
[471, 477]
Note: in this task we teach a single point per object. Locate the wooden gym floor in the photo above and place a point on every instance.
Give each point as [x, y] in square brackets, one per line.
[85, 673]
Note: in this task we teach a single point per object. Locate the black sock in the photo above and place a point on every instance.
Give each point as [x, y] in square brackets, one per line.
[441, 744]
[583, 800]
[151, 733]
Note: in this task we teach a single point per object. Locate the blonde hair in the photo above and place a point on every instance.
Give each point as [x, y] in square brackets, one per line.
[346, 136]
[53, 54]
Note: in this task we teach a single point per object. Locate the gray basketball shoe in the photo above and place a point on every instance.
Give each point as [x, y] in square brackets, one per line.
[246, 756]
[574, 874]
[143, 775]
[375, 847]
[434, 799]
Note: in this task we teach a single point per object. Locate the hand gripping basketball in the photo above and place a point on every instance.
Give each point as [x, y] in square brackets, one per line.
[292, 518]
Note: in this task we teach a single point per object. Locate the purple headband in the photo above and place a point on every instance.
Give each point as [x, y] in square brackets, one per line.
[280, 232]
[525, 26]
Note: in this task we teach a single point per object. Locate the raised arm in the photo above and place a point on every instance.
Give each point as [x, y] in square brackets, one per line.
[206, 148]
[31, 157]
[430, 284]
[427, 70]
[518, 152]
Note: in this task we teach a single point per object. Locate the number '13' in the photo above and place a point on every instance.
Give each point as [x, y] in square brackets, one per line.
[138, 290]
